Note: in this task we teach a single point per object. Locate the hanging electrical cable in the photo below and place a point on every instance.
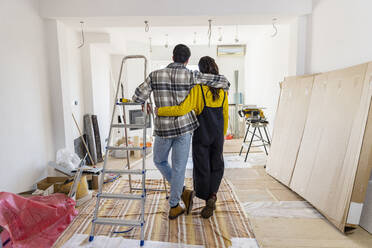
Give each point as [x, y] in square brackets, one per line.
[209, 32]
[166, 41]
[274, 27]
[150, 44]
[147, 27]
[236, 34]
[220, 37]
[82, 35]
[194, 41]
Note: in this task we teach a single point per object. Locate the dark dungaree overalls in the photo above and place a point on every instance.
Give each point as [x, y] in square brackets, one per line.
[207, 149]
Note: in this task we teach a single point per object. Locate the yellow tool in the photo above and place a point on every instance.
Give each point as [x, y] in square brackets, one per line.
[81, 190]
[125, 100]
[252, 113]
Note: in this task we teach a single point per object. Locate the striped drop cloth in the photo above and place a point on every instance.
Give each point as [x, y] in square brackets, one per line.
[229, 220]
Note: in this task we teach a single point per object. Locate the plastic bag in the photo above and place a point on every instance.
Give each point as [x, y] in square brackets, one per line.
[35, 221]
[5, 239]
[67, 159]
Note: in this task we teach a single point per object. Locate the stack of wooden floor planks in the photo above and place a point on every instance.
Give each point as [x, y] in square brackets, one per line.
[322, 141]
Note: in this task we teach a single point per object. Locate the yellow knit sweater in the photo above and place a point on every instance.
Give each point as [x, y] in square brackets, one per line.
[194, 101]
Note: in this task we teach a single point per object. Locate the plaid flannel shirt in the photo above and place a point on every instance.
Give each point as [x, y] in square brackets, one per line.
[170, 87]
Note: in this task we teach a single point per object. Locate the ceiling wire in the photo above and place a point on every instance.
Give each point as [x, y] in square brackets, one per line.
[209, 32]
[236, 34]
[274, 27]
[147, 27]
[220, 34]
[194, 41]
[166, 41]
[150, 44]
[82, 35]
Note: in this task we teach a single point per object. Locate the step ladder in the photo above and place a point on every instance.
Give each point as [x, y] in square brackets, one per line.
[261, 127]
[128, 171]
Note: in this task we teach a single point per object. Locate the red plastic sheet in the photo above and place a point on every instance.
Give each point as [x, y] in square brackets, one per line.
[5, 239]
[35, 221]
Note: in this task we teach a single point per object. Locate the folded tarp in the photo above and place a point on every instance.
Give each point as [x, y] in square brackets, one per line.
[35, 221]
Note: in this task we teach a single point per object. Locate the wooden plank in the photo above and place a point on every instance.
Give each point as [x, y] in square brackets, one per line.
[328, 157]
[356, 141]
[365, 164]
[363, 172]
[288, 127]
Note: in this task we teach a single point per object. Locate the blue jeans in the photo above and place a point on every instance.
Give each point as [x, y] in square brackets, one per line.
[174, 174]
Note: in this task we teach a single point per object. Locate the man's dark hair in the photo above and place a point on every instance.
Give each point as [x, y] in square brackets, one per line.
[181, 53]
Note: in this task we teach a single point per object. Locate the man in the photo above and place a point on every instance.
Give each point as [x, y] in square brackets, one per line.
[170, 86]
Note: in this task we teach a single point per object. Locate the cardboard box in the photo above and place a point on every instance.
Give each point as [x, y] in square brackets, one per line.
[49, 181]
[95, 181]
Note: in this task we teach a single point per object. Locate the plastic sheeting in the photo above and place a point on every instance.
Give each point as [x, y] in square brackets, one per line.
[243, 243]
[236, 161]
[5, 241]
[286, 209]
[36, 221]
[81, 240]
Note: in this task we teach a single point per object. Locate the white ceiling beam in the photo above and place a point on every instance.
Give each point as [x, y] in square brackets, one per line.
[116, 8]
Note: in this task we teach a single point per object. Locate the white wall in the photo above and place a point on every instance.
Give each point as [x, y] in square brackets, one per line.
[26, 143]
[134, 68]
[268, 63]
[340, 34]
[101, 83]
[72, 87]
[227, 64]
[95, 81]
[299, 32]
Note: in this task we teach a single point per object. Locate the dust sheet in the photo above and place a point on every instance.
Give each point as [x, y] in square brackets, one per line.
[236, 161]
[229, 220]
[285, 209]
[81, 240]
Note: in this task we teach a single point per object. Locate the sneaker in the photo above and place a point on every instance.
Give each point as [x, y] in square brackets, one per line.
[188, 198]
[175, 212]
[209, 208]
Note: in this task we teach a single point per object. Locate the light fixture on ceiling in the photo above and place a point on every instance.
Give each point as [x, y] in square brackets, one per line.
[236, 34]
[274, 20]
[209, 32]
[147, 27]
[166, 41]
[82, 35]
[194, 40]
[220, 37]
[150, 44]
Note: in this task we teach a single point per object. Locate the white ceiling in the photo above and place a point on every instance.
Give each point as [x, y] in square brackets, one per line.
[124, 19]
[186, 34]
[120, 8]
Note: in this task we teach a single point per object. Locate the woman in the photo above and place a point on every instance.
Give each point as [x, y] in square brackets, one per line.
[211, 107]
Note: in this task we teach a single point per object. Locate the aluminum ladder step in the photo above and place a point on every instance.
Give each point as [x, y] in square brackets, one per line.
[117, 222]
[129, 103]
[135, 172]
[120, 196]
[142, 126]
[120, 148]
